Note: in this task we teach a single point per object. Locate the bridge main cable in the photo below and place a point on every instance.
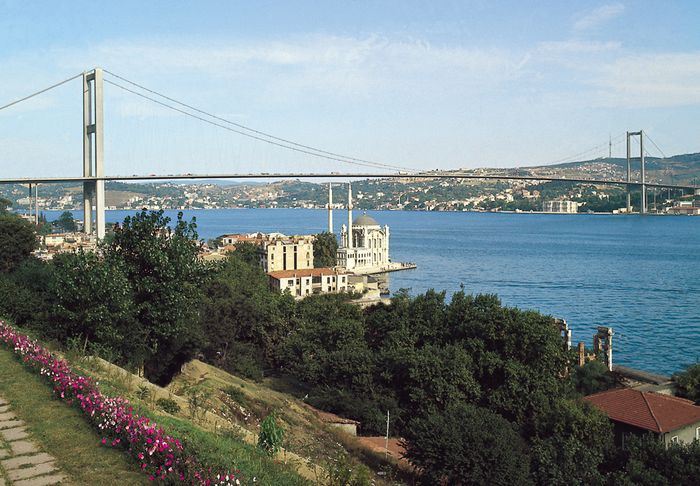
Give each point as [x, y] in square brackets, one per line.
[40, 92]
[254, 134]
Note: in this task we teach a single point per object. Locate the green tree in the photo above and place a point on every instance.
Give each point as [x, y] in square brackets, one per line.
[688, 382]
[94, 303]
[66, 222]
[244, 321]
[248, 253]
[327, 345]
[325, 249]
[593, 377]
[166, 276]
[4, 204]
[571, 444]
[17, 241]
[467, 445]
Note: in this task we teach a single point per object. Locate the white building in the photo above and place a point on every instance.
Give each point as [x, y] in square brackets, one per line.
[309, 281]
[560, 206]
[277, 251]
[364, 244]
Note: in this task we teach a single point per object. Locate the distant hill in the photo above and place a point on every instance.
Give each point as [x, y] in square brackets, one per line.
[683, 167]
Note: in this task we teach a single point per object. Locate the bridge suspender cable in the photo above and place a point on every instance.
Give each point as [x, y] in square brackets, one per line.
[255, 134]
[40, 92]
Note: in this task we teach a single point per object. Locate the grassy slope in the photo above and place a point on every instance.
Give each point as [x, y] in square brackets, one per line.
[62, 431]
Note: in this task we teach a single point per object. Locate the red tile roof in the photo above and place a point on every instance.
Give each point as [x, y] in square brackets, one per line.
[306, 272]
[331, 418]
[646, 410]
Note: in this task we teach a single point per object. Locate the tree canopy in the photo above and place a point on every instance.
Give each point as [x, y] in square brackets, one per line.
[325, 249]
[66, 222]
[17, 241]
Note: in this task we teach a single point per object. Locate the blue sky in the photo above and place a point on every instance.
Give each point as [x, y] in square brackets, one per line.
[412, 84]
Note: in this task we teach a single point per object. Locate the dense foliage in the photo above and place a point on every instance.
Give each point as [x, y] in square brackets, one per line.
[688, 382]
[17, 240]
[325, 249]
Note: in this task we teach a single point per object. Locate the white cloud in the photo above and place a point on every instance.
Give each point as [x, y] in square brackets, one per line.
[598, 16]
[577, 46]
[651, 80]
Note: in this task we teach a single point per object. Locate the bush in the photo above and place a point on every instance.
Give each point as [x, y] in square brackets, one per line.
[688, 382]
[594, 377]
[168, 405]
[271, 435]
[467, 445]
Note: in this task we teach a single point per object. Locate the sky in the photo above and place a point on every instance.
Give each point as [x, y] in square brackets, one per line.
[420, 85]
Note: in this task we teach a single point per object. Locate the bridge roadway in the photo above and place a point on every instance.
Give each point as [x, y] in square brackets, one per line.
[333, 175]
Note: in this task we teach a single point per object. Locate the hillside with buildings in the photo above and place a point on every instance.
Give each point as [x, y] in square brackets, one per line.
[399, 193]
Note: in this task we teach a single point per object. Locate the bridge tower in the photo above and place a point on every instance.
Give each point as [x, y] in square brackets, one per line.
[643, 202]
[93, 152]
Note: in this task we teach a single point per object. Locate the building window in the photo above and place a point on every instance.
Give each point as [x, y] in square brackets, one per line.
[697, 433]
[674, 440]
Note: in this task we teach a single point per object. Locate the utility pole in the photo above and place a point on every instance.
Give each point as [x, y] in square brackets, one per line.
[609, 146]
[386, 439]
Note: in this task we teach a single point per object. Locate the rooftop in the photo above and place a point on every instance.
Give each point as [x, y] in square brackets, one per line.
[306, 272]
[646, 410]
[365, 220]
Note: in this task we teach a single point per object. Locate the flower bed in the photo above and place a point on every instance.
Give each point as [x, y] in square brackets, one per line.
[163, 457]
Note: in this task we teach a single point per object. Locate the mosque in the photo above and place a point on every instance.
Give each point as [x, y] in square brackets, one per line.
[364, 244]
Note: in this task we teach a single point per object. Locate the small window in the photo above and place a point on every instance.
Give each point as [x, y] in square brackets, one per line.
[697, 433]
[674, 440]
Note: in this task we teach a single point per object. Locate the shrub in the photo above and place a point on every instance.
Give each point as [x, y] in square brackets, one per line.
[467, 445]
[271, 435]
[168, 405]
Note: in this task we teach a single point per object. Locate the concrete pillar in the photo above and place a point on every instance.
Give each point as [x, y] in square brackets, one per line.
[643, 206]
[87, 155]
[93, 151]
[629, 200]
[36, 204]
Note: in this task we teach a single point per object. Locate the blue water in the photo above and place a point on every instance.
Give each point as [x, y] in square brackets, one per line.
[640, 275]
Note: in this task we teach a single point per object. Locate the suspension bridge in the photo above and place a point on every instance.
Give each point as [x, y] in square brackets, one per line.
[93, 178]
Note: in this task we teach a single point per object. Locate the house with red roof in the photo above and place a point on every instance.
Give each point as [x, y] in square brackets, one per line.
[672, 419]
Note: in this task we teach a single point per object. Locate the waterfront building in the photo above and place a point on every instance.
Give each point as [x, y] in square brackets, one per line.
[364, 244]
[278, 252]
[309, 281]
[560, 206]
[686, 207]
[671, 419]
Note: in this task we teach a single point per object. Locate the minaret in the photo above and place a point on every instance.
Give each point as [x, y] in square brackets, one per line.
[349, 242]
[330, 207]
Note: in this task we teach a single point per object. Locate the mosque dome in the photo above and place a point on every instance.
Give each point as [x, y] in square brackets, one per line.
[365, 220]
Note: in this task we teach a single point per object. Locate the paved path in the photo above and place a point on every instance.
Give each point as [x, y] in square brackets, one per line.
[21, 461]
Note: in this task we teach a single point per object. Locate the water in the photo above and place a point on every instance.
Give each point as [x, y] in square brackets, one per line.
[640, 275]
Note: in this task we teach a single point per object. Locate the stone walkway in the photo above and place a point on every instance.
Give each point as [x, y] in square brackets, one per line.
[21, 461]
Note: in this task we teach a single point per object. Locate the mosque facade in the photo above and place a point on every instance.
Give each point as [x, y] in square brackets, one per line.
[364, 244]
